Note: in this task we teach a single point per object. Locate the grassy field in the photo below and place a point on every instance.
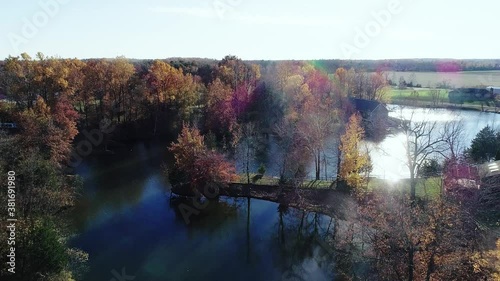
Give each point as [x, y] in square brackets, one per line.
[418, 94]
[426, 188]
[426, 97]
[455, 79]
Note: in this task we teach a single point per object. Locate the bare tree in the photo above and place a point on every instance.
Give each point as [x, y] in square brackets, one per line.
[422, 140]
[452, 135]
[314, 129]
[295, 155]
[436, 96]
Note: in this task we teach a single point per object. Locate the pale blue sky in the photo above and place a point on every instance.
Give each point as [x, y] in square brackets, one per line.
[253, 29]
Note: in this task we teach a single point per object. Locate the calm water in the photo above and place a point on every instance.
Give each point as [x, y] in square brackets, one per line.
[127, 221]
[389, 156]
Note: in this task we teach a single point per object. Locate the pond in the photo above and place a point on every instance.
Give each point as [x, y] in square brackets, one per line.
[388, 156]
[128, 223]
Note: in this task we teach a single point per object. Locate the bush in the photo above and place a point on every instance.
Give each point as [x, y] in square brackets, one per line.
[430, 168]
[39, 252]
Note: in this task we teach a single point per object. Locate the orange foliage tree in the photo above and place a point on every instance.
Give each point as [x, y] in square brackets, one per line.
[196, 163]
[51, 130]
[433, 240]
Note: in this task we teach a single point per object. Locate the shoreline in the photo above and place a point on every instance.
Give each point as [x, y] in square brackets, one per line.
[331, 202]
[449, 106]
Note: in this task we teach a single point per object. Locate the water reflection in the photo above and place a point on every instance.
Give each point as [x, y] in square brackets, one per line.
[127, 219]
[388, 156]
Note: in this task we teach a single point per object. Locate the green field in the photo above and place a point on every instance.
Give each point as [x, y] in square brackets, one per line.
[419, 94]
[454, 79]
[426, 188]
[426, 97]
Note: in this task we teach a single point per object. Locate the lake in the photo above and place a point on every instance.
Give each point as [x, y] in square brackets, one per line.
[128, 223]
[388, 156]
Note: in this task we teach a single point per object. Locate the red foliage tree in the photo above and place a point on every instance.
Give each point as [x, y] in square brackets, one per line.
[200, 165]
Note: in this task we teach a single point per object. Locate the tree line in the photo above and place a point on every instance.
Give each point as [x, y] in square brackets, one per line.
[217, 107]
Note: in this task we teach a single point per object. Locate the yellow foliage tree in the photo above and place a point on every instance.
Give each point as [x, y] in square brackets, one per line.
[352, 158]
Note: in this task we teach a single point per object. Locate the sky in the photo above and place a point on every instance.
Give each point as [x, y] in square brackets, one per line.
[252, 29]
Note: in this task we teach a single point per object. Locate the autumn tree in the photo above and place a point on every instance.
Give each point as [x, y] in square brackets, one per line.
[17, 79]
[319, 83]
[316, 125]
[189, 145]
[353, 159]
[212, 167]
[294, 157]
[25, 78]
[433, 240]
[230, 96]
[281, 72]
[196, 163]
[95, 87]
[169, 87]
[51, 130]
[341, 87]
[377, 87]
[118, 77]
[220, 116]
[51, 78]
[234, 72]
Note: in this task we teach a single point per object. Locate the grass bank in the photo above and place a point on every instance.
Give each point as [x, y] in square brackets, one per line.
[425, 97]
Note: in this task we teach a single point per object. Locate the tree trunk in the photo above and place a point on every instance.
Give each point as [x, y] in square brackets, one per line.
[248, 160]
[430, 268]
[413, 186]
[325, 167]
[156, 121]
[410, 264]
[318, 165]
[339, 161]
[248, 229]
